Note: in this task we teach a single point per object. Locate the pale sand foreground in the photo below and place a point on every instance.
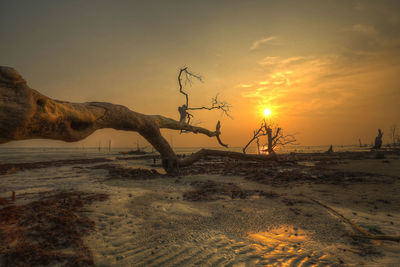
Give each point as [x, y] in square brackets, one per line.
[148, 223]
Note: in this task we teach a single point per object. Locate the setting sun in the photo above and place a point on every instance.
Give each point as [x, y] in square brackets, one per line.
[267, 112]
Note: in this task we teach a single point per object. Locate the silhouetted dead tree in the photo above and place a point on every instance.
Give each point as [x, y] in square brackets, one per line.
[330, 150]
[378, 140]
[275, 138]
[185, 116]
[27, 114]
[394, 135]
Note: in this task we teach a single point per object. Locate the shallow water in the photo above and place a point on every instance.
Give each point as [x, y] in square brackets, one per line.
[28, 154]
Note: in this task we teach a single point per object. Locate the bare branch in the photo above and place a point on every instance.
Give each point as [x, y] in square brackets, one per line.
[257, 134]
[188, 76]
[183, 110]
[218, 131]
[216, 104]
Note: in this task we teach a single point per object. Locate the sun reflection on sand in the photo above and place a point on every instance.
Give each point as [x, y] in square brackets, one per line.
[287, 246]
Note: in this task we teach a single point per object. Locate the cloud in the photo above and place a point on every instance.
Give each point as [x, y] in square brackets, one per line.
[362, 28]
[358, 6]
[317, 85]
[273, 86]
[270, 60]
[344, 82]
[363, 40]
[268, 40]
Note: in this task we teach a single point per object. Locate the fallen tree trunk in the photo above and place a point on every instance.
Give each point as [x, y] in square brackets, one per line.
[27, 114]
[219, 153]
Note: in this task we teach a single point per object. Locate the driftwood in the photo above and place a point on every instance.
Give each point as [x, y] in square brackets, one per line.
[27, 114]
[361, 233]
[219, 153]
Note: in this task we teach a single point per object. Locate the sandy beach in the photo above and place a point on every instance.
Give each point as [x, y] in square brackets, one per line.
[200, 133]
[218, 212]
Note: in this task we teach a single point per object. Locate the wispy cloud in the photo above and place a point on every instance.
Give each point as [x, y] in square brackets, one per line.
[360, 66]
[365, 40]
[267, 40]
[271, 60]
[318, 85]
[362, 28]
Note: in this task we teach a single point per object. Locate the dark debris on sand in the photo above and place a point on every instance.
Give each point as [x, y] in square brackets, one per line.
[212, 190]
[10, 168]
[118, 172]
[282, 173]
[47, 231]
[303, 175]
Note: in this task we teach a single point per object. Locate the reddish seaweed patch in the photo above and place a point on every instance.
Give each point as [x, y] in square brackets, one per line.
[3, 201]
[41, 232]
[212, 190]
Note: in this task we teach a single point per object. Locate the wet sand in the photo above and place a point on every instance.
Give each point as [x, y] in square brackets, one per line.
[232, 213]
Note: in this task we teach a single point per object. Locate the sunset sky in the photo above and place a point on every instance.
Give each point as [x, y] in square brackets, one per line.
[328, 70]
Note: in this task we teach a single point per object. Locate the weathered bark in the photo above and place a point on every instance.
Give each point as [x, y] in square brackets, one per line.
[27, 114]
[270, 149]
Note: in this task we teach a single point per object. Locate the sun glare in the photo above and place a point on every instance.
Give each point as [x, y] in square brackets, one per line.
[267, 112]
